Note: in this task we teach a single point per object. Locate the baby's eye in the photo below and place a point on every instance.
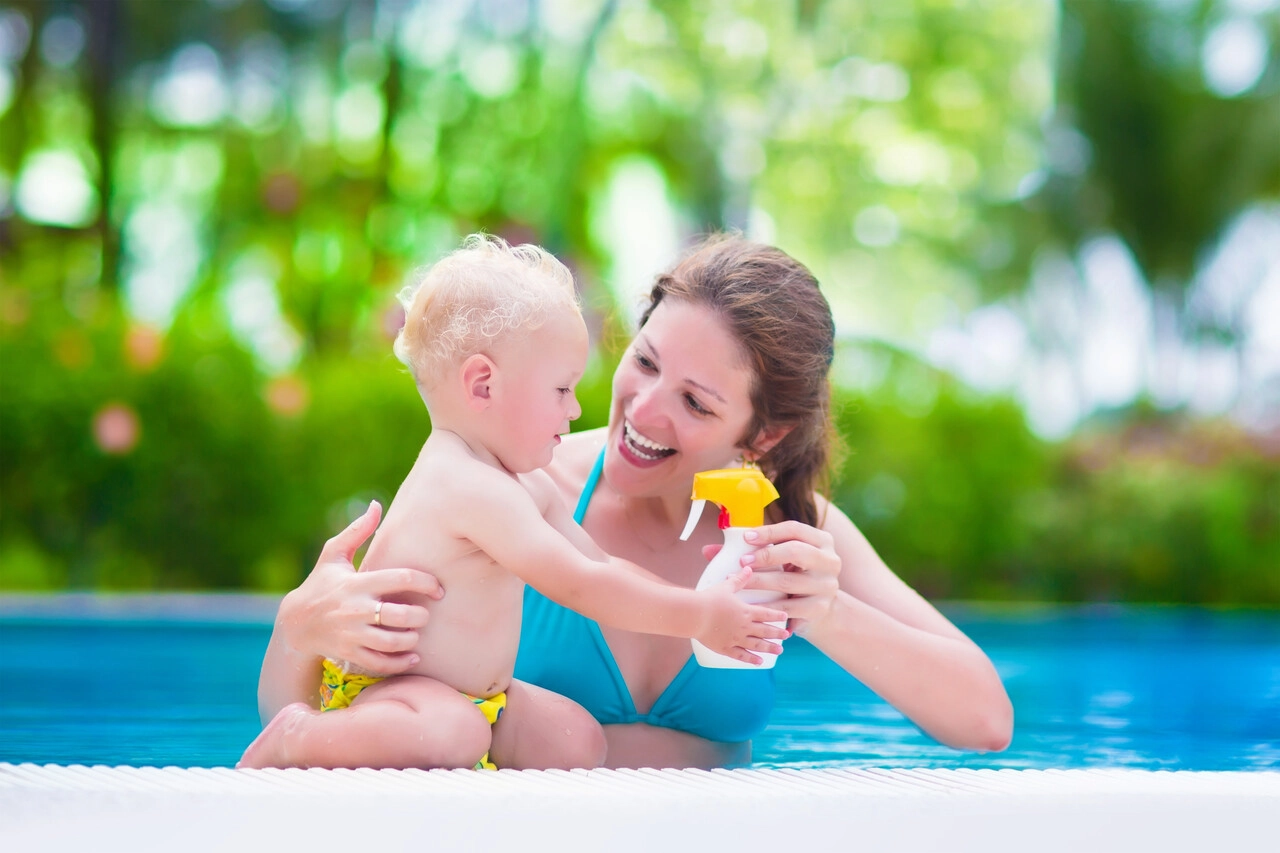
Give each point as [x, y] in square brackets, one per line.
[564, 391]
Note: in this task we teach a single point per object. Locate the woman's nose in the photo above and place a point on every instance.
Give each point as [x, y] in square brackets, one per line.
[646, 405]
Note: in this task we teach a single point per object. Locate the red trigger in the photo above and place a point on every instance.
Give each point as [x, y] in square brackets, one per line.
[724, 518]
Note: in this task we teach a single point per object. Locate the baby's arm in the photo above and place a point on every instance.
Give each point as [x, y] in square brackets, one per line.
[558, 516]
[515, 535]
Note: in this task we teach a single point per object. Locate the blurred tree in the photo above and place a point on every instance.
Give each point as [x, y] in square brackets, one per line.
[349, 141]
[1163, 133]
[883, 143]
[104, 43]
[205, 207]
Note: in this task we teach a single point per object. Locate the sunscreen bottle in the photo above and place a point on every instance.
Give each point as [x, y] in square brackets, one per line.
[742, 494]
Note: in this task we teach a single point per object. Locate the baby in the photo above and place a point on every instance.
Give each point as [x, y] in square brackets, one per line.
[496, 344]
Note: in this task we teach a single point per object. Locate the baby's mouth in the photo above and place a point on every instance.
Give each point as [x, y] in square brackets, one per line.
[642, 447]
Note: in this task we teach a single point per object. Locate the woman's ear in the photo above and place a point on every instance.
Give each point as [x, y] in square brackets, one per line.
[767, 440]
[477, 375]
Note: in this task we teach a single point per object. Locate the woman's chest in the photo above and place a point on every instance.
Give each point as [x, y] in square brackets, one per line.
[648, 662]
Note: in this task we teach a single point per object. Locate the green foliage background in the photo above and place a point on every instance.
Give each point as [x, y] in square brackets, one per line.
[798, 111]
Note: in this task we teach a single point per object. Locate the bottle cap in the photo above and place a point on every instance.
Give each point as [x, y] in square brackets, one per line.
[742, 492]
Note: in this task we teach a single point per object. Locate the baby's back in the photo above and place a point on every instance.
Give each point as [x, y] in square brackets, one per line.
[471, 638]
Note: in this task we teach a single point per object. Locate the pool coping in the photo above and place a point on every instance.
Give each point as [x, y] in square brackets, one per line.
[231, 608]
[260, 607]
[151, 808]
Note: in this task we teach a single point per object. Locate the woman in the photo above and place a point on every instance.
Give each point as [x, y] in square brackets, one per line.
[730, 363]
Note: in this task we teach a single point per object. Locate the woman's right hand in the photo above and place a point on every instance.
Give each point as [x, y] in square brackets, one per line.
[335, 612]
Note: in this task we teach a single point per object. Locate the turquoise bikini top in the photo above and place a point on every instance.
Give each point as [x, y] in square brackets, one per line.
[564, 651]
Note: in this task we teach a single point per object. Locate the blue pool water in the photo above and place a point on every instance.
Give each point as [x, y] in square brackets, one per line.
[154, 682]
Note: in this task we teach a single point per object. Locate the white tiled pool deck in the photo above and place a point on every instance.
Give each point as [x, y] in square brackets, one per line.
[54, 808]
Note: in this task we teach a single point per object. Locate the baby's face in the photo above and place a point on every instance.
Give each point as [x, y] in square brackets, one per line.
[540, 374]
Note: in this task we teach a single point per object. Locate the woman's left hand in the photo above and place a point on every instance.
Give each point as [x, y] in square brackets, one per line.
[810, 573]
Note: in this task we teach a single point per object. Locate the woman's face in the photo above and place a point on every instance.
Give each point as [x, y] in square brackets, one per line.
[681, 402]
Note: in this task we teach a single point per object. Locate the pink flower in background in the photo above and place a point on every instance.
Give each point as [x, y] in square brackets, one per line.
[116, 429]
[143, 347]
[287, 395]
[282, 192]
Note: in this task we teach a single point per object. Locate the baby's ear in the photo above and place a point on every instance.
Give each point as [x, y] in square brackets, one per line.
[477, 376]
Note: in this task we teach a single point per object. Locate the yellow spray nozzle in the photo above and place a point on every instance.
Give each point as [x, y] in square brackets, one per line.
[742, 492]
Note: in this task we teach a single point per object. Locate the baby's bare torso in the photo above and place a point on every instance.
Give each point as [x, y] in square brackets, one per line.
[471, 638]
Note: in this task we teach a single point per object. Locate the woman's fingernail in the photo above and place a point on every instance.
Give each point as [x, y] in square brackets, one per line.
[748, 559]
[751, 536]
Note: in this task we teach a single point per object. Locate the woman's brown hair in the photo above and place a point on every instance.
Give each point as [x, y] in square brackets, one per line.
[771, 304]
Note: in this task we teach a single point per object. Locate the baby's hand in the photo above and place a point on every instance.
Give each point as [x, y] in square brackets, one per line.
[734, 628]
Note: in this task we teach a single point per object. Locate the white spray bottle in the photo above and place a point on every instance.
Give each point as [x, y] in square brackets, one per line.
[742, 494]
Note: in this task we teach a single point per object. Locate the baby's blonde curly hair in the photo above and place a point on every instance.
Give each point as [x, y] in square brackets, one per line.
[483, 291]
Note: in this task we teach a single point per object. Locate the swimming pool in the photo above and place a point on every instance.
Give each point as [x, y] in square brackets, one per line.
[171, 681]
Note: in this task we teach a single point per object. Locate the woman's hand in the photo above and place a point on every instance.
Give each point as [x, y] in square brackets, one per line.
[340, 613]
[857, 612]
[811, 570]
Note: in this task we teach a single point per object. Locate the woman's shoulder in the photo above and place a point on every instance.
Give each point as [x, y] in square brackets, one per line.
[836, 522]
[574, 459]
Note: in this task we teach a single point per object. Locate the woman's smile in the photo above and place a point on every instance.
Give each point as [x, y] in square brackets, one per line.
[641, 450]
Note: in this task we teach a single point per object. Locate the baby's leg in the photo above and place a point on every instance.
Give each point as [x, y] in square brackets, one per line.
[401, 722]
[541, 730]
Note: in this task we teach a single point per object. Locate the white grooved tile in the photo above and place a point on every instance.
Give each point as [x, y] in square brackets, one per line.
[865, 809]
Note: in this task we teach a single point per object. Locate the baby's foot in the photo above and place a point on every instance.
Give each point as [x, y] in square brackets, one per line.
[268, 748]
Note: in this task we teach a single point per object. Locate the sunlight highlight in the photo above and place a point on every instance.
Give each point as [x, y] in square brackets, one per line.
[54, 188]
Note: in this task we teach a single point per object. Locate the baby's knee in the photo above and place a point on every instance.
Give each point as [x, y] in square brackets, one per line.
[587, 746]
[582, 744]
[455, 737]
[443, 728]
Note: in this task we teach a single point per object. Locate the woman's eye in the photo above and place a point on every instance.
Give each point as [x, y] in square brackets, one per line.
[644, 362]
[692, 402]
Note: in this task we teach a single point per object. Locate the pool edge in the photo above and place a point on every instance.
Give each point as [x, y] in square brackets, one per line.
[864, 808]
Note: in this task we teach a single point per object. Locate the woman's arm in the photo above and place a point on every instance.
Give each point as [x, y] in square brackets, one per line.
[331, 614]
[860, 614]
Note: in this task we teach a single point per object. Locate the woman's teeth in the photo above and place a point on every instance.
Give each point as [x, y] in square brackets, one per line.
[643, 447]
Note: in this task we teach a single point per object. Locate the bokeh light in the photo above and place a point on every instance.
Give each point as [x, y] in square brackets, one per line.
[287, 395]
[55, 188]
[143, 347]
[116, 429]
[1235, 56]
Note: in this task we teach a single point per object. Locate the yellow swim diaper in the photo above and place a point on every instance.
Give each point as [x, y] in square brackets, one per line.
[492, 709]
[339, 688]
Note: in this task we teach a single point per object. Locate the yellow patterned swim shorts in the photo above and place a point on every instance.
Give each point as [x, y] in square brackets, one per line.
[339, 688]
